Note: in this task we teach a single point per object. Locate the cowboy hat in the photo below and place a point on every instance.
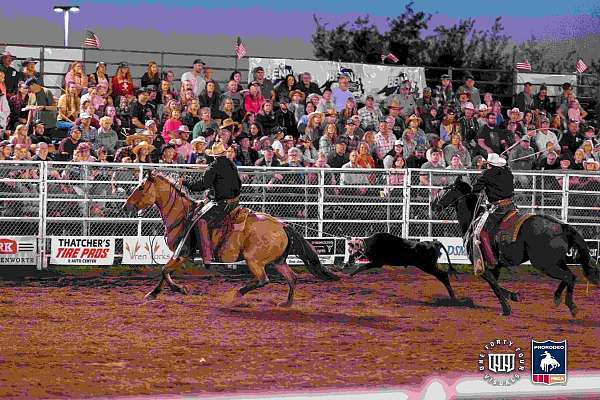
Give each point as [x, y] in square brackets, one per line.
[495, 160]
[132, 138]
[227, 123]
[515, 111]
[414, 117]
[310, 96]
[217, 149]
[143, 145]
[297, 92]
[591, 161]
[469, 106]
[199, 139]
[314, 113]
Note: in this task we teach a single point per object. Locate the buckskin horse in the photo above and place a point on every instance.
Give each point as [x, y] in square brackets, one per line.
[542, 239]
[261, 239]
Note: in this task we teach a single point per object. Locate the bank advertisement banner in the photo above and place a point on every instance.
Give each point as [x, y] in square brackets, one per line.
[377, 80]
[18, 250]
[145, 250]
[82, 250]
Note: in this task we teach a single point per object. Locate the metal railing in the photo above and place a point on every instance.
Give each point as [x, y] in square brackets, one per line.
[85, 199]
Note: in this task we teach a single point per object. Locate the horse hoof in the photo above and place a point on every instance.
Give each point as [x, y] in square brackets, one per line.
[506, 313]
[285, 304]
[150, 296]
[557, 301]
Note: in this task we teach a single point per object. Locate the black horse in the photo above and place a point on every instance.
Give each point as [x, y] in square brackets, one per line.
[542, 239]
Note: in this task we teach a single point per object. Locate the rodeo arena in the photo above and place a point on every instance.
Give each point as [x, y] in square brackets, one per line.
[395, 232]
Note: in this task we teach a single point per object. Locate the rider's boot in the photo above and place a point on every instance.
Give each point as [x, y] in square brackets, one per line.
[205, 243]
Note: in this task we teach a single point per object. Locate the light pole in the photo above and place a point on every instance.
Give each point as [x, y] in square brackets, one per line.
[66, 10]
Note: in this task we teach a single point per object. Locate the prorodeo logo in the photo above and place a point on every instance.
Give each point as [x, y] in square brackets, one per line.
[501, 362]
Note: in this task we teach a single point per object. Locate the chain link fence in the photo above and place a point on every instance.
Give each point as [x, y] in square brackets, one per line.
[86, 199]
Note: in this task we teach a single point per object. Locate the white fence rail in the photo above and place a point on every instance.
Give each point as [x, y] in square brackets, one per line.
[46, 200]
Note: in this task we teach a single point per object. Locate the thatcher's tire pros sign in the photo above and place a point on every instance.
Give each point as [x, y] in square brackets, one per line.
[82, 251]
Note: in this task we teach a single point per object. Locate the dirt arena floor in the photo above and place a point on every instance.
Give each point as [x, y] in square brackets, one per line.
[96, 337]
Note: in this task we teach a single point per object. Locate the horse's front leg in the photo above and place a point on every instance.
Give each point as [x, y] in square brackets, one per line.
[172, 265]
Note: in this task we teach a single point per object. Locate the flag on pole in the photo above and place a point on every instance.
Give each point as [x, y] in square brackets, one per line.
[390, 57]
[240, 50]
[91, 40]
[580, 66]
[524, 65]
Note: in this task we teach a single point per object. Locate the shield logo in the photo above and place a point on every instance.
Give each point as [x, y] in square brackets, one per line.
[549, 362]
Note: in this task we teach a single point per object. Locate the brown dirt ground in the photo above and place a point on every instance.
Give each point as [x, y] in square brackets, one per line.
[96, 337]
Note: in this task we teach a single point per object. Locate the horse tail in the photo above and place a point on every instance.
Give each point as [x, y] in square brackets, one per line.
[305, 251]
[589, 265]
[451, 270]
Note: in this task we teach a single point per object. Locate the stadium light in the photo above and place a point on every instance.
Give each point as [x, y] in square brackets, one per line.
[66, 10]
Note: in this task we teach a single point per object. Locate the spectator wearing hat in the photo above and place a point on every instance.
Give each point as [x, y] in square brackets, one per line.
[195, 76]
[42, 102]
[482, 113]
[28, 70]
[106, 137]
[469, 87]
[413, 123]
[6, 149]
[541, 101]
[268, 159]
[130, 142]
[350, 136]
[11, 75]
[523, 154]
[369, 115]
[88, 132]
[38, 135]
[68, 145]
[122, 84]
[388, 160]
[245, 154]
[198, 153]
[307, 86]
[444, 93]
[394, 110]
[468, 125]
[572, 139]
[181, 143]
[284, 117]
[206, 123]
[525, 99]
[142, 110]
[265, 85]
[405, 99]
[426, 102]
[142, 152]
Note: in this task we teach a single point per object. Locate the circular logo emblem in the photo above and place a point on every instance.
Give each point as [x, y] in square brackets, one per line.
[501, 362]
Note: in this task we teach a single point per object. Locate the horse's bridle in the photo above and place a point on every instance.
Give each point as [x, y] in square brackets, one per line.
[455, 201]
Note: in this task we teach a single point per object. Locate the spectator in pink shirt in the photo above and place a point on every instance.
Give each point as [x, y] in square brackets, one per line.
[253, 100]
[171, 126]
[182, 142]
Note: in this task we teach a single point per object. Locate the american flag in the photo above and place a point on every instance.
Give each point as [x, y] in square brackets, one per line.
[524, 65]
[240, 50]
[580, 66]
[390, 57]
[91, 40]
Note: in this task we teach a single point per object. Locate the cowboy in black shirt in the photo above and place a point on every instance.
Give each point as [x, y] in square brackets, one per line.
[222, 176]
[498, 183]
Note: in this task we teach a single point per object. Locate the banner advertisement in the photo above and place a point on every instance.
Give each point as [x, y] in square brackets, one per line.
[377, 80]
[82, 250]
[324, 247]
[18, 250]
[145, 250]
[552, 81]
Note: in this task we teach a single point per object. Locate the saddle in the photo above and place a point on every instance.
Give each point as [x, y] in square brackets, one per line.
[508, 230]
[235, 221]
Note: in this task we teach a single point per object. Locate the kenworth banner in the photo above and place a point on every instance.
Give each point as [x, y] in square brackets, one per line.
[376, 80]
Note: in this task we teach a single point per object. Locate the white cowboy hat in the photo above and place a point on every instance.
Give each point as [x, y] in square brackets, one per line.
[495, 160]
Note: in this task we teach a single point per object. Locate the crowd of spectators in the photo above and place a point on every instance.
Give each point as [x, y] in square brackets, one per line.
[295, 123]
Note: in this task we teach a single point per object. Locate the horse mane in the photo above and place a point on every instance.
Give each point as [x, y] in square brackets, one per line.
[173, 184]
